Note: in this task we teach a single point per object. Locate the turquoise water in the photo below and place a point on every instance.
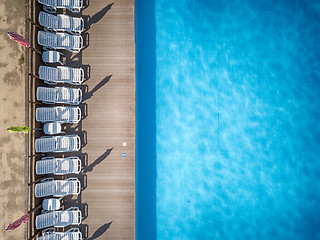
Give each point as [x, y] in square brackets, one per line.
[228, 134]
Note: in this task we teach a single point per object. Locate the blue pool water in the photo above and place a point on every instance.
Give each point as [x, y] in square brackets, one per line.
[228, 109]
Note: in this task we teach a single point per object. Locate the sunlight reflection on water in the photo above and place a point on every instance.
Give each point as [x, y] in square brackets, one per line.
[237, 120]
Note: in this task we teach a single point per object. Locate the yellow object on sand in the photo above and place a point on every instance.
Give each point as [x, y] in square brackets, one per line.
[19, 129]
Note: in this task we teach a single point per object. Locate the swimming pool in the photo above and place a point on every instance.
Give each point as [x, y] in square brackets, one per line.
[228, 119]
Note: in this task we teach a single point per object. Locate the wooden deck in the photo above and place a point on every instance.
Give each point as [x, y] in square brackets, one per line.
[109, 194]
[107, 130]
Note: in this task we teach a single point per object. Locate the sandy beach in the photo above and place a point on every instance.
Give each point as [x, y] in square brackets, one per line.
[12, 109]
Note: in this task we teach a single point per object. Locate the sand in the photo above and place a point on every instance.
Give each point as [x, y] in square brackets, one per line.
[12, 112]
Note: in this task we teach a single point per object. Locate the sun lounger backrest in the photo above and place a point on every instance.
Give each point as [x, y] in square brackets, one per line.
[68, 114]
[52, 3]
[47, 94]
[69, 3]
[64, 187]
[73, 144]
[65, 22]
[64, 166]
[64, 114]
[68, 165]
[64, 94]
[77, 24]
[77, 42]
[75, 165]
[64, 143]
[66, 74]
[49, 74]
[68, 143]
[72, 75]
[74, 236]
[77, 75]
[70, 42]
[46, 114]
[75, 114]
[45, 144]
[76, 218]
[64, 218]
[76, 94]
[44, 189]
[47, 39]
[64, 40]
[50, 236]
[47, 166]
[67, 236]
[45, 220]
[48, 20]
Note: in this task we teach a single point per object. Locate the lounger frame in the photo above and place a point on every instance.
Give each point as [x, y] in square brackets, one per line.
[61, 22]
[52, 234]
[64, 95]
[59, 114]
[50, 165]
[61, 74]
[51, 219]
[51, 6]
[56, 41]
[57, 144]
[50, 187]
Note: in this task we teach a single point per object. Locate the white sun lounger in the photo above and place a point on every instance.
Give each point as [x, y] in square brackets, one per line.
[52, 5]
[57, 188]
[67, 143]
[58, 219]
[72, 96]
[54, 41]
[51, 234]
[61, 74]
[58, 114]
[58, 166]
[61, 22]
